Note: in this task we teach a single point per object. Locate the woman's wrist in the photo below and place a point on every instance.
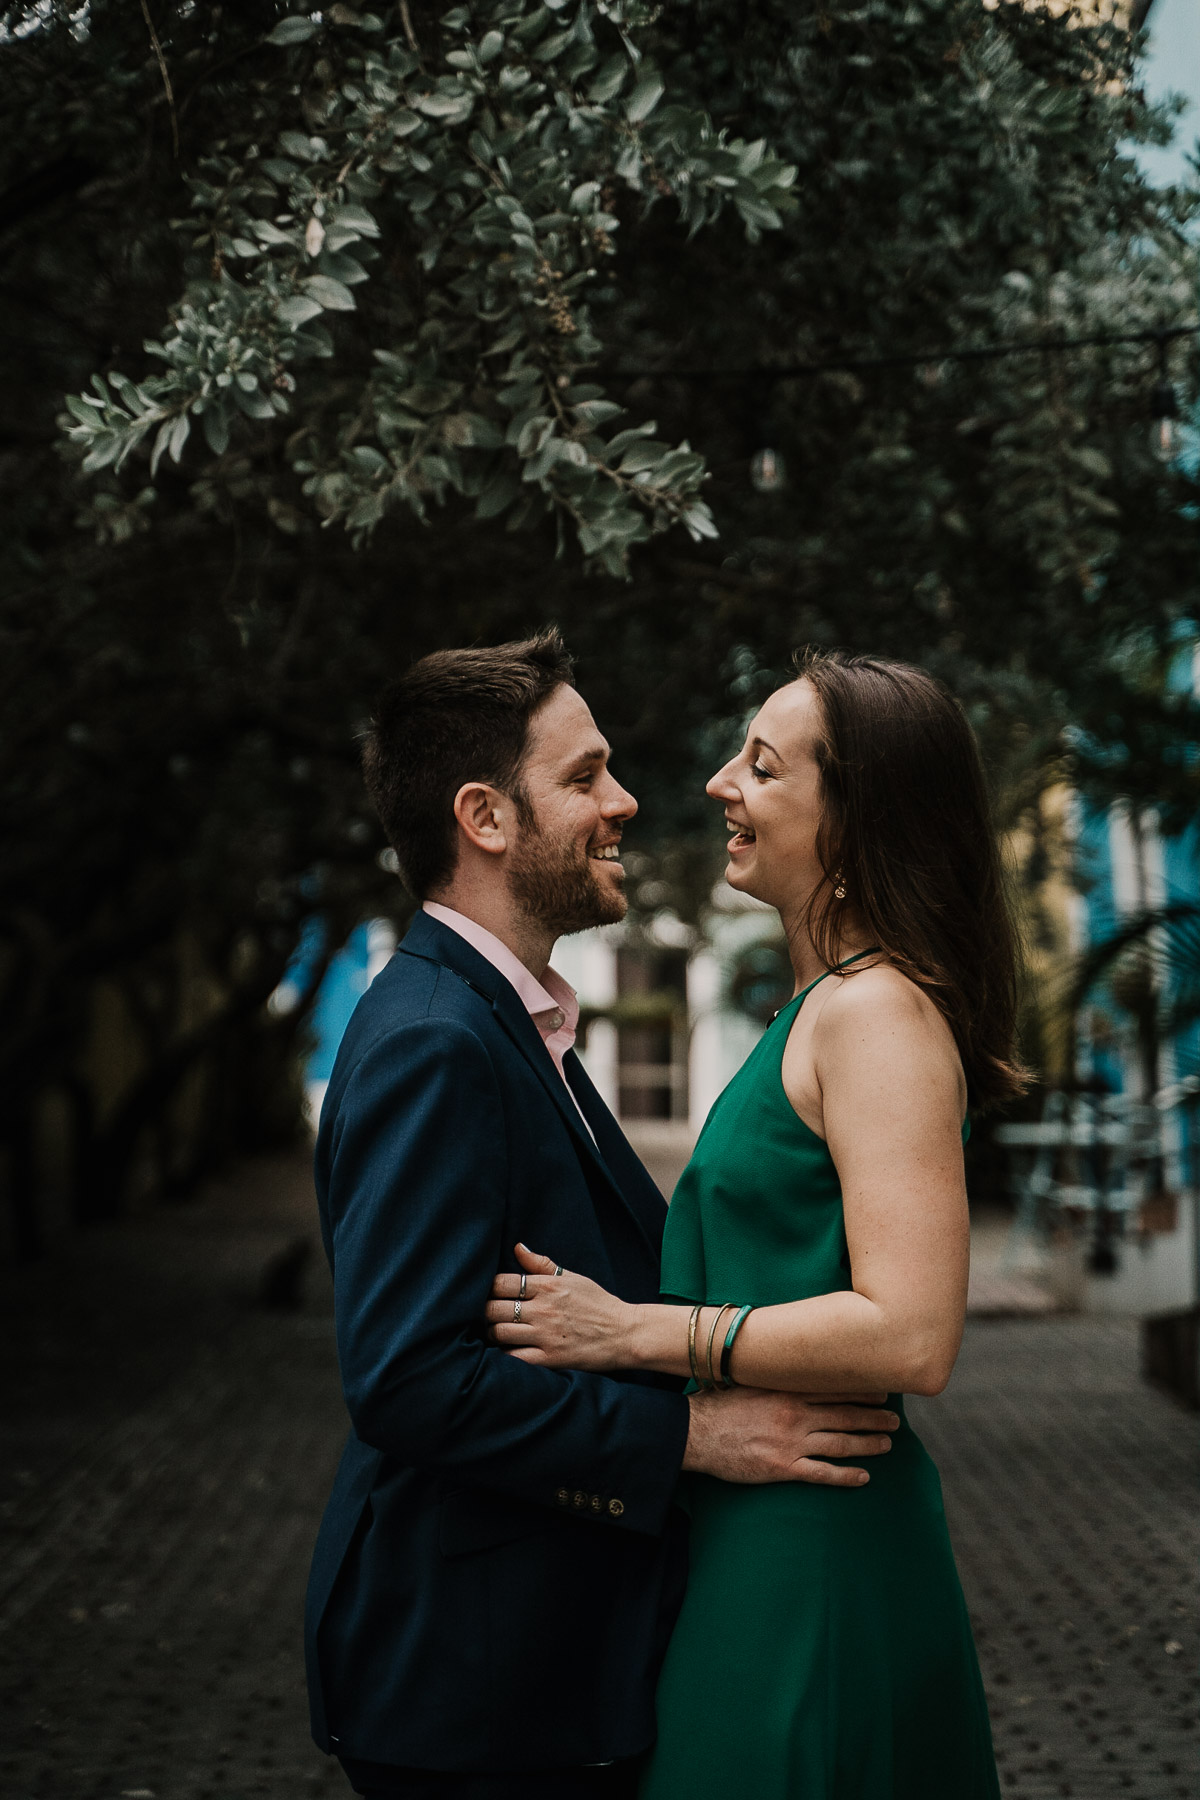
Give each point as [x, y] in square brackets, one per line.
[658, 1336]
[639, 1346]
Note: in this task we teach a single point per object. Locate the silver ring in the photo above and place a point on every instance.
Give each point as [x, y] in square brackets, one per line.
[521, 1289]
[516, 1312]
[558, 1268]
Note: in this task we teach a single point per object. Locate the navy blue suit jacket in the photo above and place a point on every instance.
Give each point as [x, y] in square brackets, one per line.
[500, 1562]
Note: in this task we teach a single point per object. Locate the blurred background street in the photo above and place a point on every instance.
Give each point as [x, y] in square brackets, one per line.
[170, 1442]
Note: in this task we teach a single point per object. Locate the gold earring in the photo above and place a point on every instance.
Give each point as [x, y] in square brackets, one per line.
[839, 891]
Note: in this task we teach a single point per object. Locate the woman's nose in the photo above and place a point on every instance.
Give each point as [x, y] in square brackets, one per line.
[721, 787]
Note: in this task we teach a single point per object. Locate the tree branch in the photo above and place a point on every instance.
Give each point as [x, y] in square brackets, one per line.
[166, 76]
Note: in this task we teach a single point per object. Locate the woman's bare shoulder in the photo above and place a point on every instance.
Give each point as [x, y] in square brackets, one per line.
[877, 997]
[880, 1030]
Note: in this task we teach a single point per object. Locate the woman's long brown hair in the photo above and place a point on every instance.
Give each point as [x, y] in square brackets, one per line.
[907, 831]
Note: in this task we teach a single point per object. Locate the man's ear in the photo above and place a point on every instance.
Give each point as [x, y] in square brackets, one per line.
[481, 812]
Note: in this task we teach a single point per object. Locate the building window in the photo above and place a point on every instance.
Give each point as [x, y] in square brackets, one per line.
[652, 1034]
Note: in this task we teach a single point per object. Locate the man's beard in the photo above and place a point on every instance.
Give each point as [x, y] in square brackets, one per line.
[557, 884]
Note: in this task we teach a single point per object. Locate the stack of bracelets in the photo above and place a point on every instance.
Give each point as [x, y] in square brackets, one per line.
[720, 1376]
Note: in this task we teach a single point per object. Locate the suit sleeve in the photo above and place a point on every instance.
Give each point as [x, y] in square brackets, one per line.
[416, 1169]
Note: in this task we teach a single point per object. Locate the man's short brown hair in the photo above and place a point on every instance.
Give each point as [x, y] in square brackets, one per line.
[454, 717]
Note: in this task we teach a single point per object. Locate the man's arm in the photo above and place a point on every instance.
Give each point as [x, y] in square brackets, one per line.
[417, 1169]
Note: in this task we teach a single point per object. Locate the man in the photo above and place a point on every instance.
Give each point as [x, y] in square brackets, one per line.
[501, 1561]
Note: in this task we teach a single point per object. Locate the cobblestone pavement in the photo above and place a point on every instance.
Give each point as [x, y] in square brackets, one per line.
[167, 1446]
[1071, 1493]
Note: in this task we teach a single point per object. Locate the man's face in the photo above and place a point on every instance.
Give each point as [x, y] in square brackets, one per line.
[563, 867]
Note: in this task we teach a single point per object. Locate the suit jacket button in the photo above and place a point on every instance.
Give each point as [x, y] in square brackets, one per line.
[597, 1503]
[616, 1508]
[563, 1498]
[581, 1499]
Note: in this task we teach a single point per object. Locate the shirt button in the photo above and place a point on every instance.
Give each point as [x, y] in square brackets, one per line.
[555, 1020]
[616, 1508]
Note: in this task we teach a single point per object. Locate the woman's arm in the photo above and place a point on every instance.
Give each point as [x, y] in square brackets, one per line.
[892, 1098]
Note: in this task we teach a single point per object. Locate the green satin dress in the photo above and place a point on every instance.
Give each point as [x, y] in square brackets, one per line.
[823, 1651]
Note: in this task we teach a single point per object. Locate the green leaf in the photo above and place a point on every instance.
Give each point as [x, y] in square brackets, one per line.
[609, 79]
[467, 429]
[255, 404]
[452, 109]
[105, 449]
[647, 92]
[595, 412]
[180, 430]
[366, 512]
[699, 522]
[758, 213]
[491, 46]
[128, 393]
[293, 31]
[160, 445]
[332, 295]
[499, 493]
[79, 409]
[533, 434]
[295, 143]
[343, 268]
[631, 435]
[299, 309]
[216, 429]
[356, 217]
[645, 456]
[271, 234]
[368, 459]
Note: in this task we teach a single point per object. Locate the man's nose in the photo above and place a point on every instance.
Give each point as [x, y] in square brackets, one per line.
[619, 804]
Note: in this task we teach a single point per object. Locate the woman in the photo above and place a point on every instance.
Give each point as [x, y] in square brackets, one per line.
[823, 1651]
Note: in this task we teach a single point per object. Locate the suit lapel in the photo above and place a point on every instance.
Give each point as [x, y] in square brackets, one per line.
[429, 938]
[635, 1183]
[525, 1034]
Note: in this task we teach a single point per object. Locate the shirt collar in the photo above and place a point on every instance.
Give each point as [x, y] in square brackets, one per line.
[551, 995]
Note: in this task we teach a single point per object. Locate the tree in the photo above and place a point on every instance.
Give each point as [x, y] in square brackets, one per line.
[184, 675]
[464, 177]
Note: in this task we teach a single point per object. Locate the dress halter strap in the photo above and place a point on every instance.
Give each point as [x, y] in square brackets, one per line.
[836, 969]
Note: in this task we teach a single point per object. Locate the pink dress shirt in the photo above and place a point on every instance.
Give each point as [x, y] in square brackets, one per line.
[550, 1003]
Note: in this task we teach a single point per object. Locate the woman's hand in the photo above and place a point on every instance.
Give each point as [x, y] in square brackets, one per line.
[566, 1322]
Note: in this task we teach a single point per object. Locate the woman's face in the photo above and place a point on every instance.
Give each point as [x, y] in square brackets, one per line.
[772, 796]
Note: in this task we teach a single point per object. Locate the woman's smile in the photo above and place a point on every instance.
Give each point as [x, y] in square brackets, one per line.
[743, 838]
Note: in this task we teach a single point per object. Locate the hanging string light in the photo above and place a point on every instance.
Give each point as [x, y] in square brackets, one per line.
[768, 471]
[1164, 412]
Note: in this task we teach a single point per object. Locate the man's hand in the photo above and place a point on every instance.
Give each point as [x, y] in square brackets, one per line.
[752, 1436]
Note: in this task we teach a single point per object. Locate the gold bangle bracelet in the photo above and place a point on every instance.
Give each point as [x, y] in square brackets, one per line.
[692, 1322]
[712, 1338]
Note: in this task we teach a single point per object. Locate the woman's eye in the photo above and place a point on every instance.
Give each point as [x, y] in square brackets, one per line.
[762, 774]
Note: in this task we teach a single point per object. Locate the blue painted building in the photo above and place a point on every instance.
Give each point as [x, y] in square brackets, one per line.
[1125, 865]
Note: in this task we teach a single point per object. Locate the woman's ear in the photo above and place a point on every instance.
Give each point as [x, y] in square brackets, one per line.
[480, 811]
